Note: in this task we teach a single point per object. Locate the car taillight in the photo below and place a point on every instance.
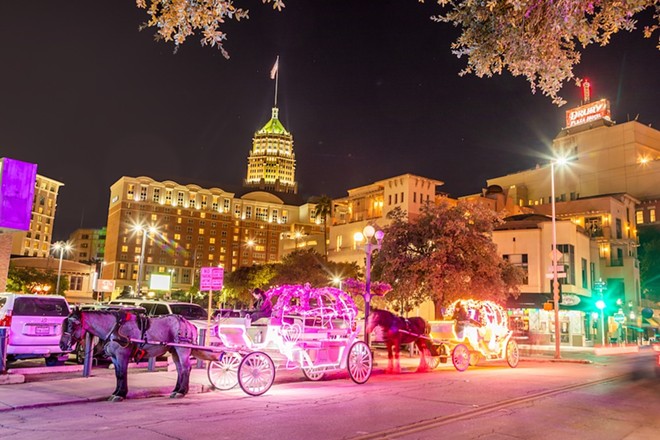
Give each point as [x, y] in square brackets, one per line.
[6, 321]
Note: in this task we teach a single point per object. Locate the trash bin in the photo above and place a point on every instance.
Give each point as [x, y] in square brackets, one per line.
[4, 340]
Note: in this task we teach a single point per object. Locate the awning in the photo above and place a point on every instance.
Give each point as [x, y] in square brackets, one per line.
[528, 301]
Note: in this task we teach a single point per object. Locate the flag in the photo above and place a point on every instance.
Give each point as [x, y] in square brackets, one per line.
[273, 71]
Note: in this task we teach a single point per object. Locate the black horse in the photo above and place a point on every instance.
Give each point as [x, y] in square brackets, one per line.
[129, 336]
[398, 330]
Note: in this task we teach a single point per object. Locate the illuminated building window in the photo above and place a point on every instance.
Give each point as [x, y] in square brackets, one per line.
[652, 215]
[156, 196]
[143, 193]
[225, 205]
[124, 248]
[201, 231]
[211, 240]
[204, 200]
[131, 191]
[177, 236]
[639, 217]
[248, 212]
[237, 211]
[340, 239]
[154, 217]
[192, 200]
[179, 199]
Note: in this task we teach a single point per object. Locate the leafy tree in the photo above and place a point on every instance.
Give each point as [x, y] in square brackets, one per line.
[323, 210]
[649, 263]
[444, 254]
[307, 266]
[239, 284]
[540, 40]
[28, 279]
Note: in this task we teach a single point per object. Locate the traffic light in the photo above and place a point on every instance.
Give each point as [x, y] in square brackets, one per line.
[552, 289]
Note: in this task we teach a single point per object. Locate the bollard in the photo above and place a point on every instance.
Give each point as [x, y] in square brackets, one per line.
[87, 363]
[4, 340]
[201, 338]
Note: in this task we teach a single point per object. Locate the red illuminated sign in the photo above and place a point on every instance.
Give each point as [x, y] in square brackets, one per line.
[588, 113]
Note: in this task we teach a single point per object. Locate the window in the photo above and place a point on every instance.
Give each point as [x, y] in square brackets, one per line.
[274, 215]
[168, 197]
[568, 261]
[192, 200]
[584, 273]
[143, 193]
[156, 197]
[619, 230]
[131, 191]
[237, 211]
[652, 215]
[401, 197]
[179, 198]
[521, 261]
[248, 212]
[414, 197]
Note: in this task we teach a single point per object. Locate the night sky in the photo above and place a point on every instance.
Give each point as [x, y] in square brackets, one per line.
[369, 89]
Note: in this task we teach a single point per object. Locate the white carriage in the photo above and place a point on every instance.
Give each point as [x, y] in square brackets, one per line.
[313, 329]
[483, 335]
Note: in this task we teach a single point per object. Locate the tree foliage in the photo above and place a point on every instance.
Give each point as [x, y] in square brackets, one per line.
[540, 40]
[444, 254]
[26, 280]
[322, 210]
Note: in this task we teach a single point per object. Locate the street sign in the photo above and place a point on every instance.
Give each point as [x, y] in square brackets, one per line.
[556, 254]
[619, 317]
[105, 286]
[551, 275]
[559, 268]
[211, 278]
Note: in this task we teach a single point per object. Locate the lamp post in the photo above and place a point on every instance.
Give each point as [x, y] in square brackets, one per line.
[600, 304]
[368, 233]
[60, 246]
[555, 278]
[145, 231]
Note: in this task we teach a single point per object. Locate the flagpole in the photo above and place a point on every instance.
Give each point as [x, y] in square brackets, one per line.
[277, 77]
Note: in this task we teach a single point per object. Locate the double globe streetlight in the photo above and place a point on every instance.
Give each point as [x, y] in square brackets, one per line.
[61, 246]
[368, 234]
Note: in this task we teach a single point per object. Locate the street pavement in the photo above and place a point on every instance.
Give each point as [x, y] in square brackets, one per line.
[67, 385]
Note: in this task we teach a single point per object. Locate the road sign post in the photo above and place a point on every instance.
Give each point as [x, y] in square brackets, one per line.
[211, 278]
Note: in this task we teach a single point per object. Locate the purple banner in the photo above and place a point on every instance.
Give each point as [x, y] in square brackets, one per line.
[17, 180]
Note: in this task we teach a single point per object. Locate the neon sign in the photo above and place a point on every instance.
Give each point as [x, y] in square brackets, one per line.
[588, 113]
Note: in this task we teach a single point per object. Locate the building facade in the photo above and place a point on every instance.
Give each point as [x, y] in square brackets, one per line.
[272, 162]
[36, 241]
[193, 227]
[88, 245]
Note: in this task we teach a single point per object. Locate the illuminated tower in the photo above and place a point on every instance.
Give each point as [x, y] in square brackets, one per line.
[272, 163]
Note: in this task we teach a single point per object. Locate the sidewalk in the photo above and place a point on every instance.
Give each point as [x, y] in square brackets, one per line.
[73, 388]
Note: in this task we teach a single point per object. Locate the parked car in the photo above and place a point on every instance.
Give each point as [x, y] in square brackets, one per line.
[194, 313]
[35, 326]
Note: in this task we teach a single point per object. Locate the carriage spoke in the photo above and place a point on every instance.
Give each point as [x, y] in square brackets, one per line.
[360, 362]
[223, 374]
[256, 373]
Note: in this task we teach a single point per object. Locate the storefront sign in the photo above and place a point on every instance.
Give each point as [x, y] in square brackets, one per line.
[569, 299]
[588, 113]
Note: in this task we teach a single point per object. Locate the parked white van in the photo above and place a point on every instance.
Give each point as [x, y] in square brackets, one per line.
[35, 326]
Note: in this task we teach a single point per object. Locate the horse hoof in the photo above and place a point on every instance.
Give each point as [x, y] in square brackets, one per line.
[115, 399]
[176, 395]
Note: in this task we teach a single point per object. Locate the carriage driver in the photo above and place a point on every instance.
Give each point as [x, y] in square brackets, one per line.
[261, 305]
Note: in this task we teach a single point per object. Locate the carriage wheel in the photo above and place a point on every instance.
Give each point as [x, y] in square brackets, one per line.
[256, 373]
[460, 357]
[512, 353]
[314, 374]
[474, 358]
[434, 361]
[360, 362]
[223, 374]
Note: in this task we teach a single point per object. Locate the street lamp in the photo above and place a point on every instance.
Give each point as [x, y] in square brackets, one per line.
[337, 280]
[61, 246]
[600, 304]
[145, 231]
[555, 278]
[368, 233]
